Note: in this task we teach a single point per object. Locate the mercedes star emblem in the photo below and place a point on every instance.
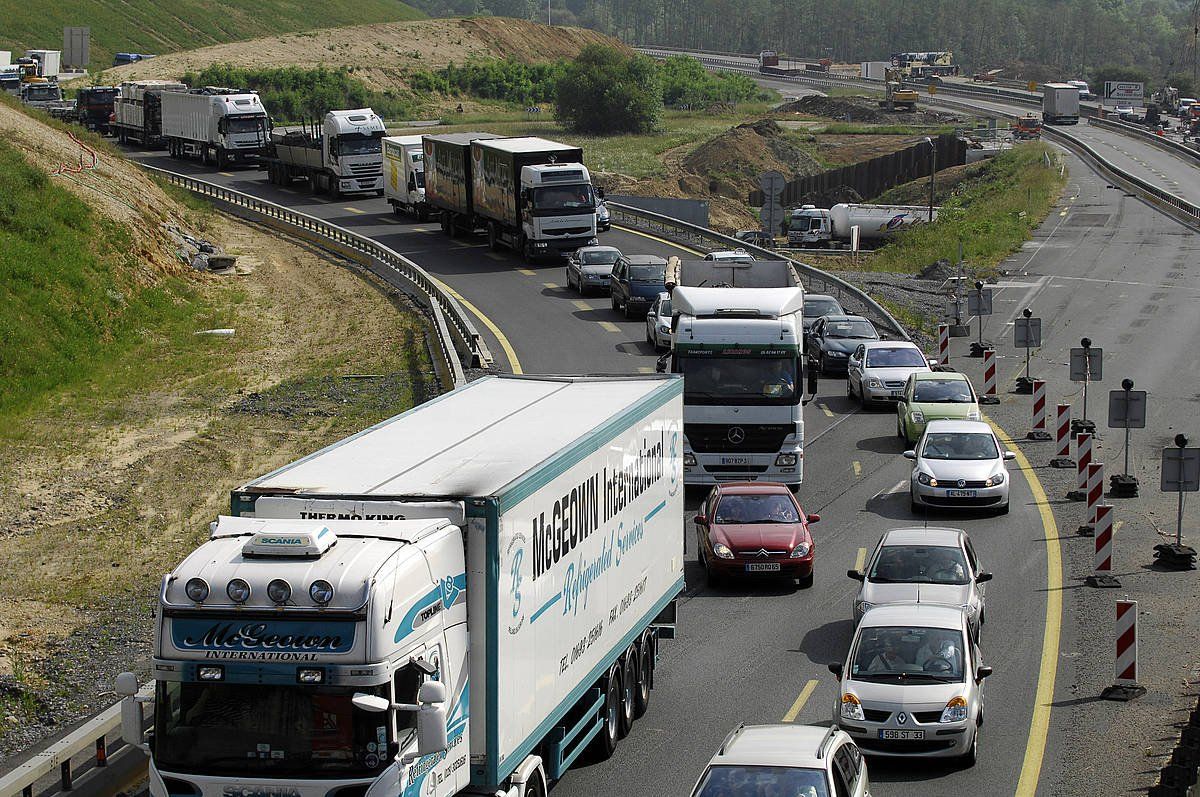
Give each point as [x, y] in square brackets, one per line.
[736, 435]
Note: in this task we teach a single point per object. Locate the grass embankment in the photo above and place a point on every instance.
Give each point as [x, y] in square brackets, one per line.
[991, 211]
[151, 26]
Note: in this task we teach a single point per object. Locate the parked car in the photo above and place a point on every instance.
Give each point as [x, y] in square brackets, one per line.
[931, 396]
[912, 684]
[733, 255]
[877, 370]
[959, 464]
[752, 529]
[658, 322]
[589, 267]
[832, 339]
[636, 281]
[923, 565]
[756, 237]
[800, 760]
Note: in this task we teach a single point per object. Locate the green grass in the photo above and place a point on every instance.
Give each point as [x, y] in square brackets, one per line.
[992, 213]
[152, 26]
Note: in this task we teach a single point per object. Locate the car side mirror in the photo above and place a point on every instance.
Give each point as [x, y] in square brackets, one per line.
[836, 668]
[1010, 455]
[660, 367]
[981, 673]
[857, 575]
[814, 518]
[982, 577]
[910, 454]
[700, 520]
[933, 363]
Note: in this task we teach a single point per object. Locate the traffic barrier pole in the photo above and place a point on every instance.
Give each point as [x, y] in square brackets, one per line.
[989, 378]
[1126, 687]
[1094, 495]
[943, 344]
[1038, 431]
[1062, 427]
[1102, 574]
[1083, 458]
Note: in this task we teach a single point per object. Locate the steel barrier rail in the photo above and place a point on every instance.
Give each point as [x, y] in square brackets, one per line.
[457, 338]
[691, 234]
[1141, 133]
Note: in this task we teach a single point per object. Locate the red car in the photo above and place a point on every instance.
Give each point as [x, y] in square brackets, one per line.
[754, 528]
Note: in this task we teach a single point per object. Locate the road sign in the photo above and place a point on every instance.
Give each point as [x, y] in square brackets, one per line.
[772, 217]
[772, 184]
[1084, 361]
[1180, 470]
[979, 302]
[1127, 409]
[1027, 333]
[1123, 92]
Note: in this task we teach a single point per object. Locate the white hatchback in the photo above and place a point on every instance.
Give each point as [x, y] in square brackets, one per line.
[878, 369]
[658, 323]
[799, 760]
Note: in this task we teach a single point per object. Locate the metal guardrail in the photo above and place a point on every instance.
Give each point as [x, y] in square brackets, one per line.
[457, 338]
[1141, 133]
[704, 238]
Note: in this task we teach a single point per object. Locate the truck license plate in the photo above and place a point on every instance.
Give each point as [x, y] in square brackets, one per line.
[960, 493]
[735, 460]
[762, 567]
[902, 735]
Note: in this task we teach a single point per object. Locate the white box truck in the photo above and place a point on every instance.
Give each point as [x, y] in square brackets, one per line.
[811, 226]
[404, 175]
[1060, 104]
[49, 62]
[343, 156]
[448, 602]
[217, 126]
[874, 70]
[137, 111]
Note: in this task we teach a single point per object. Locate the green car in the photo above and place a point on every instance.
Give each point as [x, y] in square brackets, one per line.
[934, 396]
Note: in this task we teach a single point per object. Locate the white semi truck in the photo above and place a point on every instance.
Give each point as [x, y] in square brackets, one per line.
[811, 226]
[404, 175]
[1060, 104]
[343, 156]
[737, 337]
[216, 125]
[459, 600]
[137, 111]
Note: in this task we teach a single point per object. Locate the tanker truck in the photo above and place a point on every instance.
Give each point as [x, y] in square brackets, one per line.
[811, 226]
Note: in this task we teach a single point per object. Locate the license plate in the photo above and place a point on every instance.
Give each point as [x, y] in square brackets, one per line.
[896, 394]
[762, 567]
[960, 493]
[735, 460]
[902, 735]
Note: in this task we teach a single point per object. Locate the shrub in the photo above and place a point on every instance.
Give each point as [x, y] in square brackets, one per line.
[604, 91]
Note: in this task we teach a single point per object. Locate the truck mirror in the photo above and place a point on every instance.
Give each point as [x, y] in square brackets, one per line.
[431, 729]
[131, 722]
[126, 685]
[373, 703]
[660, 367]
[431, 692]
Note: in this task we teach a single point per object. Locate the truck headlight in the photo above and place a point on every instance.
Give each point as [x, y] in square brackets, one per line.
[722, 551]
[926, 479]
[851, 708]
[196, 589]
[310, 675]
[238, 590]
[210, 672]
[801, 550]
[689, 459]
[994, 479]
[321, 591]
[955, 710]
[785, 460]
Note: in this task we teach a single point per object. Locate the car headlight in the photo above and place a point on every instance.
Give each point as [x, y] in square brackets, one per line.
[801, 550]
[873, 382]
[851, 708]
[973, 415]
[917, 416]
[994, 479]
[955, 710]
[664, 329]
[722, 551]
[785, 460]
[836, 353]
[926, 479]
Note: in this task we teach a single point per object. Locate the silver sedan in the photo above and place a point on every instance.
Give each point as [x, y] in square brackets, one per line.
[959, 464]
[589, 267]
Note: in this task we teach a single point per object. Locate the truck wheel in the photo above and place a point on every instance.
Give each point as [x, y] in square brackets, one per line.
[423, 214]
[536, 786]
[628, 691]
[605, 743]
[445, 220]
[493, 237]
[222, 158]
[645, 670]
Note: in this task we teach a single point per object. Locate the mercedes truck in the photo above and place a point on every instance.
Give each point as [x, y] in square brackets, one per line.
[404, 175]
[811, 226]
[217, 126]
[344, 155]
[462, 599]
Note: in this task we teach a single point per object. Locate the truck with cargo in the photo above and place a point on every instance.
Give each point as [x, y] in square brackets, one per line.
[1060, 104]
[343, 156]
[404, 175]
[534, 196]
[448, 179]
[811, 226]
[49, 62]
[217, 126]
[459, 600]
[94, 107]
[874, 70]
[137, 111]
[739, 350]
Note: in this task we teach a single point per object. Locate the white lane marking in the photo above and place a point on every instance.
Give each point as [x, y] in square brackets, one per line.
[898, 487]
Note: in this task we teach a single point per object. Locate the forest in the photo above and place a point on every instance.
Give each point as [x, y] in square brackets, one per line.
[1032, 39]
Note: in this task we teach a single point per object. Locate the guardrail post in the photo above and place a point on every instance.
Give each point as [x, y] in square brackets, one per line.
[65, 770]
[101, 753]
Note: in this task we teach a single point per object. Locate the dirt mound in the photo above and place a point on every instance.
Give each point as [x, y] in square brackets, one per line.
[732, 162]
[860, 109]
[946, 185]
[379, 54]
[113, 187]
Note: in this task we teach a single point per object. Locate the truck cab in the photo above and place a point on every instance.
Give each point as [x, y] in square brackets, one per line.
[352, 148]
[40, 95]
[560, 207]
[404, 175]
[809, 226]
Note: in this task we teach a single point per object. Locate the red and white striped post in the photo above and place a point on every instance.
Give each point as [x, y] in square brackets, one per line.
[1104, 536]
[1126, 686]
[1038, 431]
[1083, 458]
[989, 378]
[1062, 435]
[943, 344]
[1094, 495]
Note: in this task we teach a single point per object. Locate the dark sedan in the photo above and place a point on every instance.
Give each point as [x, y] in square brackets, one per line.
[636, 282]
[832, 339]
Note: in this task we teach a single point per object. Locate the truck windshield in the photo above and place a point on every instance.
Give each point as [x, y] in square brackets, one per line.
[804, 223]
[740, 380]
[358, 145]
[252, 730]
[43, 93]
[245, 124]
[420, 178]
[564, 197]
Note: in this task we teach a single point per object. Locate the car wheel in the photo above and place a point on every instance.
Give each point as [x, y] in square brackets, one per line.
[849, 388]
[807, 581]
[613, 301]
[968, 759]
[821, 364]
[626, 310]
[650, 339]
[900, 430]
[914, 507]
[1003, 510]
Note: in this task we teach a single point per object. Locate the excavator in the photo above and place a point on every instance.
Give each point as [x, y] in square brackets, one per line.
[895, 95]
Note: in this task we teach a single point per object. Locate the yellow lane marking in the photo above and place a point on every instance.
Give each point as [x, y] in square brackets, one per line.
[828, 412]
[582, 305]
[609, 326]
[1117, 526]
[1039, 725]
[645, 369]
[495, 256]
[660, 240]
[509, 352]
[552, 286]
[527, 272]
[860, 559]
[225, 174]
[805, 694]
[857, 468]
[354, 210]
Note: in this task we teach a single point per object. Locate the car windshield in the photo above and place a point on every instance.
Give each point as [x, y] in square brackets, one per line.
[739, 380]
[905, 654]
[919, 564]
[261, 731]
[352, 144]
[599, 258]
[850, 329]
[763, 508]
[760, 781]
[902, 357]
[942, 391]
[959, 445]
[564, 197]
[654, 273]
[814, 308]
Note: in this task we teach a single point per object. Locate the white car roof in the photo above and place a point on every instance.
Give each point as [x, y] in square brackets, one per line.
[915, 615]
[890, 344]
[773, 745]
[934, 536]
[958, 426]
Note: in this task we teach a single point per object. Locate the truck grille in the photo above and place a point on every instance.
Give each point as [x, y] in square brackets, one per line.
[708, 438]
[366, 169]
[563, 231]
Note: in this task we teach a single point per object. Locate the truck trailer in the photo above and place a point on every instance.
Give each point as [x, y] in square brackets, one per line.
[1060, 104]
[535, 196]
[49, 62]
[94, 107]
[404, 175]
[811, 226]
[448, 179]
[217, 126]
[450, 602]
[137, 111]
[343, 156]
